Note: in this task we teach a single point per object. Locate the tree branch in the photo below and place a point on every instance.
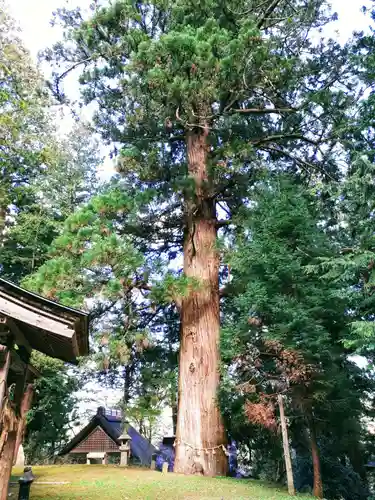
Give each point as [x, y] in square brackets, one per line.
[227, 211]
[137, 285]
[268, 13]
[190, 125]
[73, 67]
[281, 137]
[263, 111]
[299, 161]
[101, 310]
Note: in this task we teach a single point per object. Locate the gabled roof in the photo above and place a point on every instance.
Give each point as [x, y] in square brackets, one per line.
[113, 427]
[53, 329]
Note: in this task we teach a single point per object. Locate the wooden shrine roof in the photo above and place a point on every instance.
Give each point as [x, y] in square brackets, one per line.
[102, 434]
[38, 323]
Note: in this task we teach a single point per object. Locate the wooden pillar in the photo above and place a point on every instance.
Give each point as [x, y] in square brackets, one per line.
[25, 407]
[6, 461]
[7, 441]
[8, 426]
[4, 369]
[288, 461]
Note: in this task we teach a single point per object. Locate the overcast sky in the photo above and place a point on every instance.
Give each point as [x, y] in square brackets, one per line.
[34, 18]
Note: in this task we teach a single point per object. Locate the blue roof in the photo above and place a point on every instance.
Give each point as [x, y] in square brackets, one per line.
[112, 425]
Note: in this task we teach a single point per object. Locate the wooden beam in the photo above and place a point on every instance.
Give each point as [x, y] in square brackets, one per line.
[75, 345]
[36, 308]
[20, 382]
[32, 373]
[18, 311]
[4, 369]
[4, 328]
[17, 364]
[19, 337]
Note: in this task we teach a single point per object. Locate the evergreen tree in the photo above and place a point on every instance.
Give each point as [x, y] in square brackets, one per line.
[135, 342]
[43, 178]
[24, 124]
[353, 207]
[352, 266]
[285, 328]
[57, 191]
[199, 98]
[53, 412]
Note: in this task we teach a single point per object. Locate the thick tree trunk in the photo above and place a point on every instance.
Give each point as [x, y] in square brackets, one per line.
[318, 483]
[288, 461]
[173, 392]
[6, 462]
[200, 433]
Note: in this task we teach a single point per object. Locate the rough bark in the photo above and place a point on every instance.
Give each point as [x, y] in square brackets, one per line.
[6, 462]
[25, 407]
[8, 426]
[318, 483]
[199, 426]
[288, 461]
[173, 393]
[8, 434]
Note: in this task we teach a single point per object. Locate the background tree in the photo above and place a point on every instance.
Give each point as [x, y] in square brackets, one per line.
[44, 178]
[24, 124]
[135, 342]
[59, 188]
[353, 205]
[199, 99]
[278, 301]
[145, 413]
[54, 410]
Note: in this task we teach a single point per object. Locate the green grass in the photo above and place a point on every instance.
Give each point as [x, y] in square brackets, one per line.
[94, 482]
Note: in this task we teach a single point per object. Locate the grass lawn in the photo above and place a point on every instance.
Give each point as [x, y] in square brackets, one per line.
[94, 482]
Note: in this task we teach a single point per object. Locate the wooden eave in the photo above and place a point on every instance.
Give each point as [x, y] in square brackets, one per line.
[38, 323]
[97, 421]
